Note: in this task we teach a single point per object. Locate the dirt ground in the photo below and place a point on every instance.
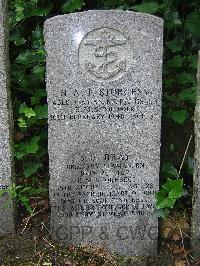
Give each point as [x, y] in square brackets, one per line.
[32, 245]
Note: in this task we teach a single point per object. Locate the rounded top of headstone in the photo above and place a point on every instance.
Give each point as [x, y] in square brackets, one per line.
[106, 14]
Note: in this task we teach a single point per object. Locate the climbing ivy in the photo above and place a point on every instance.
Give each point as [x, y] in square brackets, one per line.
[27, 56]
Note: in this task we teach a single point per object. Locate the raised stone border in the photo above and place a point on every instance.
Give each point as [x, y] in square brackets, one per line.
[195, 239]
[6, 123]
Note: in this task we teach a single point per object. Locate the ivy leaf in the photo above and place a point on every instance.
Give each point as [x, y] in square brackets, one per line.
[35, 1]
[21, 122]
[171, 147]
[176, 61]
[175, 45]
[165, 203]
[192, 23]
[169, 169]
[19, 8]
[150, 8]
[179, 116]
[42, 11]
[39, 71]
[25, 201]
[41, 153]
[24, 57]
[168, 82]
[42, 111]
[161, 195]
[184, 78]
[32, 146]
[170, 192]
[31, 168]
[188, 95]
[28, 112]
[73, 5]
[19, 151]
[172, 20]
[39, 94]
[17, 38]
[192, 60]
[174, 188]
[29, 58]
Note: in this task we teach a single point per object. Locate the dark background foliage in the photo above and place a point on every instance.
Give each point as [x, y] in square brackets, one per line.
[27, 56]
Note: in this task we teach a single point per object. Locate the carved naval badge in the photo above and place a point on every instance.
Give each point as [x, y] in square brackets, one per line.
[104, 54]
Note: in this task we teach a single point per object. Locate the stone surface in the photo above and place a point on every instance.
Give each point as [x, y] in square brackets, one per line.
[104, 95]
[195, 240]
[6, 206]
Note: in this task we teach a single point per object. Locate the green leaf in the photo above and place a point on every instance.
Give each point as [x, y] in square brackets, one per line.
[42, 11]
[169, 83]
[169, 169]
[29, 58]
[176, 61]
[25, 201]
[38, 95]
[28, 112]
[42, 111]
[188, 95]
[185, 78]
[40, 71]
[172, 20]
[24, 148]
[179, 116]
[170, 98]
[171, 147]
[32, 146]
[161, 195]
[169, 185]
[73, 5]
[41, 153]
[19, 8]
[31, 168]
[166, 203]
[20, 151]
[192, 23]
[170, 192]
[174, 188]
[192, 60]
[17, 38]
[24, 57]
[21, 122]
[151, 7]
[175, 45]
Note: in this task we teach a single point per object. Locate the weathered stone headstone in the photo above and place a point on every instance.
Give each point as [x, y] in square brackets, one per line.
[6, 207]
[196, 182]
[104, 96]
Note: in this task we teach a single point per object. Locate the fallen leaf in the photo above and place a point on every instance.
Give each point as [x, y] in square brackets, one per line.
[180, 263]
[92, 263]
[69, 263]
[71, 248]
[18, 136]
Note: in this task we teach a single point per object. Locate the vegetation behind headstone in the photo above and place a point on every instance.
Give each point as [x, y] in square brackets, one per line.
[27, 56]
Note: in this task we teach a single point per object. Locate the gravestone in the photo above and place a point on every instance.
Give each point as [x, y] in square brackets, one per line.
[195, 239]
[6, 207]
[104, 96]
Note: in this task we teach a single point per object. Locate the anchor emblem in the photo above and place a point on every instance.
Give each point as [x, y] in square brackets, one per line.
[107, 62]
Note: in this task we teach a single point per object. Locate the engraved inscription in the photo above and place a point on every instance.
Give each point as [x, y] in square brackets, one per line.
[105, 186]
[104, 54]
